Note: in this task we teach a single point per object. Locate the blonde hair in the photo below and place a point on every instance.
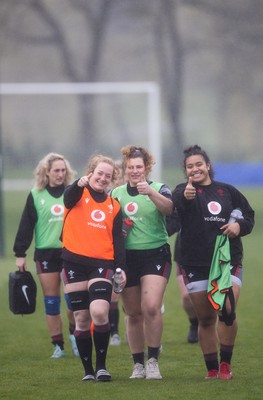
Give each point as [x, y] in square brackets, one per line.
[45, 165]
[99, 158]
[131, 151]
[120, 176]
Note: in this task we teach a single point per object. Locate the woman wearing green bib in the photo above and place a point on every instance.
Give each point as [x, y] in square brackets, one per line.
[148, 258]
[42, 217]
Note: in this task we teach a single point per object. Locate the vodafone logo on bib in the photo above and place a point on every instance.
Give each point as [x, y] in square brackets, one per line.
[57, 209]
[214, 207]
[98, 215]
[131, 208]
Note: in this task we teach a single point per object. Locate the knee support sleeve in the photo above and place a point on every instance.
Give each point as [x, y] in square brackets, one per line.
[52, 305]
[100, 290]
[79, 300]
[228, 318]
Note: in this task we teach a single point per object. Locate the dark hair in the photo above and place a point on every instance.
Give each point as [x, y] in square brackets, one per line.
[198, 151]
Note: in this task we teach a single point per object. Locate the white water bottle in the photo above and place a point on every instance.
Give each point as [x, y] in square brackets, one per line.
[117, 281]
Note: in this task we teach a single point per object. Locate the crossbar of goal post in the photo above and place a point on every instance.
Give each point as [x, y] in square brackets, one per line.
[151, 89]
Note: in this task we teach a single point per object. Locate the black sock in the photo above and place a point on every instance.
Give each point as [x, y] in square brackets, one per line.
[138, 358]
[114, 317]
[84, 344]
[226, 352]
[211, 361]
[153, 352]
[58, 340]
[101, 338]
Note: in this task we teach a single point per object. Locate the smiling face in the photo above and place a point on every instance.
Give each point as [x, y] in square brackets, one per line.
[101, 177]
[198, 170]
[57, 173]
[135, 169]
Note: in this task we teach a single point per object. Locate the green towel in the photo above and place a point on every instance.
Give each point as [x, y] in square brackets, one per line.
[219, 281]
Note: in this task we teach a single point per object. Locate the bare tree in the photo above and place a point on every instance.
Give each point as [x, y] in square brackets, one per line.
[55, 34]
[237, 42]
[234, 40]
[170, 56]
[237, 28]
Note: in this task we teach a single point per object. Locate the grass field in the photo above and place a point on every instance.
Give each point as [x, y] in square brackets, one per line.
[27, 372]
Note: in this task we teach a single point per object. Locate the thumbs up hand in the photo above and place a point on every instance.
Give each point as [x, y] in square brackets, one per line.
[143, 186]
[190, 190]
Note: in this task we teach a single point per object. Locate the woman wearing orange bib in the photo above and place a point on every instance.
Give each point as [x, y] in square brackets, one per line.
[93, 247]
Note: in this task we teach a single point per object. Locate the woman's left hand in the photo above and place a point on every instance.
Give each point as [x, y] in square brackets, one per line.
[143, 186]
[231, 230]
[124, 279]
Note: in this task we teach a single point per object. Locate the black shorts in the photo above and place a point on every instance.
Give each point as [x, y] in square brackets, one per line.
[72, 273]
[196, 278]
[148, 262]
[45, 267]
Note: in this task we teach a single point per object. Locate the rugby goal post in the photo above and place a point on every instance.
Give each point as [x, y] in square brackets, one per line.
[151, 89]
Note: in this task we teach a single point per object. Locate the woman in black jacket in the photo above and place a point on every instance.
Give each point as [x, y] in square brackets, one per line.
[204, 207]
